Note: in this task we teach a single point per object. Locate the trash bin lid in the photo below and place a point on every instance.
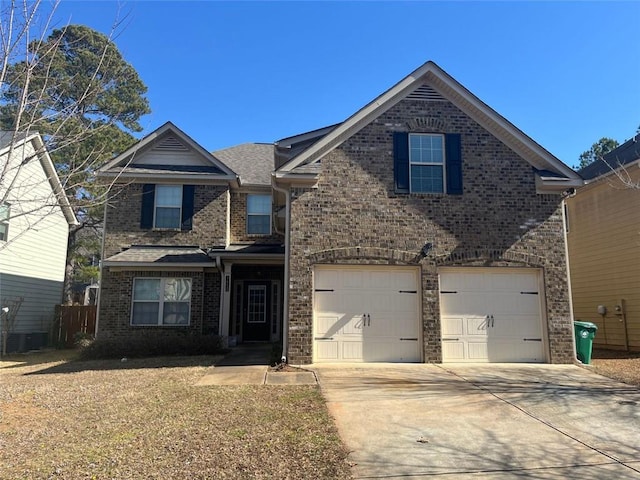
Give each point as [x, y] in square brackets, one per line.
[588, 325]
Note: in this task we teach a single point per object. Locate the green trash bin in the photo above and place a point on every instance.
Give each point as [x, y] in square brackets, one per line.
[584, 333]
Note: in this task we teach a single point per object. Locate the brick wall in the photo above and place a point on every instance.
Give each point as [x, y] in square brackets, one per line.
[498, 221]
[116, 298]
[123, 221]
[239, 223]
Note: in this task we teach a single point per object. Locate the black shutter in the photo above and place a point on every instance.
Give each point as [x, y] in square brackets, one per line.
[188, 192]
[148, 201]
[401, 161]
[453, 153]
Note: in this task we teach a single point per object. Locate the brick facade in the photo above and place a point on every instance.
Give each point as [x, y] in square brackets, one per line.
[123, 230]
[116, 299]
[354, 216]
[123, 221]
[238, 222]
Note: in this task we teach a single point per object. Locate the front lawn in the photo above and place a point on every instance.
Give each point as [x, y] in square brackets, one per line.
[145, 419]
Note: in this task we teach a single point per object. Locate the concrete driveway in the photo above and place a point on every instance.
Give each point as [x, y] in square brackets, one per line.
[484, 421]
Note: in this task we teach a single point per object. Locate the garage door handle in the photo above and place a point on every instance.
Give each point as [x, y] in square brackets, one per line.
[450, 339]
[409, 339]
[531, 339]
[323, 338]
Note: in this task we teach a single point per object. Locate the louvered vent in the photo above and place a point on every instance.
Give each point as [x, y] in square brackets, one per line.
[171, 144]
[426, 93]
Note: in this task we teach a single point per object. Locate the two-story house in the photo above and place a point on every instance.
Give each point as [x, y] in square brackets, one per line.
[35, 215]
[425, 227]
[190, 242]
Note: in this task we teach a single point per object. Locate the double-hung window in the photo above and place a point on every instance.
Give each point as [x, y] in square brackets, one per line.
[168, 209]
[161, 301]
[427, 163]
[4, 221]
[258, 214]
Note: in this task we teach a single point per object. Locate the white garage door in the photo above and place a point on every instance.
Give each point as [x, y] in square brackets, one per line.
[366, 314]
[491, 315]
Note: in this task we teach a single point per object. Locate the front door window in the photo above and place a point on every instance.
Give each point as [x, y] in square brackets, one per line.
[257, 304]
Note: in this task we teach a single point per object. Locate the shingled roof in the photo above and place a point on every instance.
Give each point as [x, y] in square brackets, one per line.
[625, 154]
[253, 162]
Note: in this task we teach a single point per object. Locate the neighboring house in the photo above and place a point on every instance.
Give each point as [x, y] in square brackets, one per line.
[34, 225]
[604, 239]
[424, 228]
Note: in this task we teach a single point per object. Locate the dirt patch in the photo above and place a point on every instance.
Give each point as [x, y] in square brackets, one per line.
[617, 364]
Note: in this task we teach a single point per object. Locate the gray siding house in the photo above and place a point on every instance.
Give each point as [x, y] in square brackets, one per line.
[424, 228]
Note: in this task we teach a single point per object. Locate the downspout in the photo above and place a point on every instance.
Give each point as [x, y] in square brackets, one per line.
[565, 222]
[99, 297]
[285, 301]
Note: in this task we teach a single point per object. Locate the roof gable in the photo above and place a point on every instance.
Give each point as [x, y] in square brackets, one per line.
[167, 151]
[432, 83]
[14, 140]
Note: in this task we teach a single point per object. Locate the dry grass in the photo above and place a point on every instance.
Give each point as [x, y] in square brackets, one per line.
[617, 364]
[145, 419]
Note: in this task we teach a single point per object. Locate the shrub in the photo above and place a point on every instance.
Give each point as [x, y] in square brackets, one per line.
[82, 339]
[151, 344]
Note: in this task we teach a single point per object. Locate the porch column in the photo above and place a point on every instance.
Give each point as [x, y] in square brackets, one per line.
[225, 299]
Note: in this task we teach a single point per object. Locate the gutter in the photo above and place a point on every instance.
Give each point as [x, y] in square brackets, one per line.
[287, 230]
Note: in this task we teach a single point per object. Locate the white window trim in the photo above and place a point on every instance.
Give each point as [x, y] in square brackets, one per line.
[258, 214]
[5, 222]
[261, 288]
[155, 208]
[160, 301]
[443, 164]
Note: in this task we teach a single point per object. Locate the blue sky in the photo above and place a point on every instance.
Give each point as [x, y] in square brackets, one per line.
[566, 73]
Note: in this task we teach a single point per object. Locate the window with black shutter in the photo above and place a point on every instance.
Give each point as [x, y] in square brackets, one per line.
[427, 163]
[168, 207]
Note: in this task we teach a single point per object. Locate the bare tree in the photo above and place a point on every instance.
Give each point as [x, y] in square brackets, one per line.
[72, 87]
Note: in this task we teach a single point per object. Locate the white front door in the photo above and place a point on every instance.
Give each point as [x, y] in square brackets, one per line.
[491, 315]
[366, 314]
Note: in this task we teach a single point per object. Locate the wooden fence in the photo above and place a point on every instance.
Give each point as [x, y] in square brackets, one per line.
[71, 319]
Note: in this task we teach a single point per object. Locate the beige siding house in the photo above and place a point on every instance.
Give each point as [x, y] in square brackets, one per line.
[34, 224]
[604, 247]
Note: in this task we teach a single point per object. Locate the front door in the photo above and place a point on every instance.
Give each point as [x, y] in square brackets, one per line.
[256, 321]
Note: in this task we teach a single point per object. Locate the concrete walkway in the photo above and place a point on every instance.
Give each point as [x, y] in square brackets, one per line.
[484, 421]
[249, 365]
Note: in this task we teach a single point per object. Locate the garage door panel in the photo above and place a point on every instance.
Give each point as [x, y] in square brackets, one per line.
[383, 351]
[476, 326]
[351, 351]
[326, 350]
[514, 352]
[477, 351]
[498, 311]
[453, 326]
[374, 294]
[353, 326]
[325, 326]
[453, 350]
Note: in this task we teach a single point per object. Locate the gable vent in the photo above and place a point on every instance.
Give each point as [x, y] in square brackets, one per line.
[171, 144]
[426, 93]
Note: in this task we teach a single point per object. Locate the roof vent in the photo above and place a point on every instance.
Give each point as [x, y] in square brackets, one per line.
[427, 94]
[171, 144]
